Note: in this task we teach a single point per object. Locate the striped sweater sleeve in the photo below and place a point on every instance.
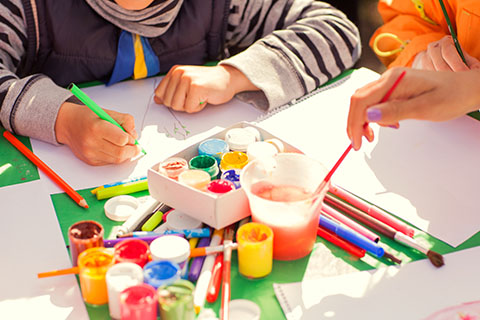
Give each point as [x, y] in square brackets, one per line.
[287, 48]
[28, 106]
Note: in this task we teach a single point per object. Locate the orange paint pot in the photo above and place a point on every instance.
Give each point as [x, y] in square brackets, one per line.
[93, 264]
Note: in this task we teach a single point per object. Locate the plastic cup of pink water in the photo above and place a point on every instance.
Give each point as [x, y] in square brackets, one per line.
[280, 191]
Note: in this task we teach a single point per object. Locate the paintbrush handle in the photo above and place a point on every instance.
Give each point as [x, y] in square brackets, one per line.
[361, 216]
[407, 241]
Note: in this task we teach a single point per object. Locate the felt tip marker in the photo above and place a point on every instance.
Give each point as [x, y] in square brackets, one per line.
[352, 236]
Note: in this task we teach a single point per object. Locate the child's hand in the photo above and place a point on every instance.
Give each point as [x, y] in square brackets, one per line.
[422, 95]
[93, 140]
[442, 55]
[190, 88]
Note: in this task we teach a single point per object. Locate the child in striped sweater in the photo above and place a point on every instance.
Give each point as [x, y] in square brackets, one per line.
[269, 53]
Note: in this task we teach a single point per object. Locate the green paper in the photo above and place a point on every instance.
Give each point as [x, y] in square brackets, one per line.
[14, 166]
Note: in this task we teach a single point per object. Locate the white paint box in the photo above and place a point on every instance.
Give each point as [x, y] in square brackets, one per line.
[215, 211]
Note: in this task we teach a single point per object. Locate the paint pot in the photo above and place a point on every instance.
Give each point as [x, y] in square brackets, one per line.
[213, 147]
[281, 197]
[220, 186]
[158, 273]
[132, 250]
[139, 303]
[238, 139]
[93, 264]
[206, 163]
[242, 309]
[233, 160]
[120, 208]
[255, 250]
[232, 175]
[171, 248]
[277, 143]
[197, 179]
[83, 235]
[172, 167]
[176, 301]
[119, 277]
[261, 149]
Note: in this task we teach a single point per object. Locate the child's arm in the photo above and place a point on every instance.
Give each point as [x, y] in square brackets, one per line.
[404, 19]
[288, 48]
[30, 106]
[422, 95]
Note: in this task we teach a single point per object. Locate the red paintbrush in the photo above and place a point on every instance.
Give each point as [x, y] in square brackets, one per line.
[325, 181]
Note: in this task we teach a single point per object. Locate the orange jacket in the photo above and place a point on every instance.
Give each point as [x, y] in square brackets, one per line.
[403, 18]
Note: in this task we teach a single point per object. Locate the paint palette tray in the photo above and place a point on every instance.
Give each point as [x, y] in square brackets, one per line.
[213, 210]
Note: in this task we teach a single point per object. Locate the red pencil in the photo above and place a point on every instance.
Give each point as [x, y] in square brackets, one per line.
[46, 169]
[373, 211]
[336, 240]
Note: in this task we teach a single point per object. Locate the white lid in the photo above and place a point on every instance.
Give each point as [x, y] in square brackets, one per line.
[177, 220]
[171, 248]
[238, 139]
[277, 143]
[242, 309]
[261, 149]
[255, 132]
[120, 208]
[123, 275]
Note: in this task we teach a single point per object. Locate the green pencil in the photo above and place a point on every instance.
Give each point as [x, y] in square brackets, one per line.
[452, 32]
[82, 96]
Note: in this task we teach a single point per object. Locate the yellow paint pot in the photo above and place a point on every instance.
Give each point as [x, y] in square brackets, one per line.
[255, 250]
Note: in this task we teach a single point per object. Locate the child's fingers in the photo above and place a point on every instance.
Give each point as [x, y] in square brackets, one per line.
[434, 51]
[126, 121]
[451, 55]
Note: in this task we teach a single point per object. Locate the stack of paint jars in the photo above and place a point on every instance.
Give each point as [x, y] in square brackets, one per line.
[135, 278]
[216, 169]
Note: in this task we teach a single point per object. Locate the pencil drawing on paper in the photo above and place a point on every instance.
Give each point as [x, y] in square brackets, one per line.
[173, 127]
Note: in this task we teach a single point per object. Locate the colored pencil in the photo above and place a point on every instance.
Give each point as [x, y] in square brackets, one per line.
[61, 272]
[198, 252]
[435, 258]
[46, 169]
[372, 210]
[342, 157]
[82, 96]
[339, 242]
[337, 215]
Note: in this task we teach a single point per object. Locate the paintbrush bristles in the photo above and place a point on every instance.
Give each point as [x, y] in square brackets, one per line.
[435, 258]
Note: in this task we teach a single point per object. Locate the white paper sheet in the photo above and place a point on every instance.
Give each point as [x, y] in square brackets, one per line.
[424, 172]
[162, 132]
[33, 243]
[412, 291]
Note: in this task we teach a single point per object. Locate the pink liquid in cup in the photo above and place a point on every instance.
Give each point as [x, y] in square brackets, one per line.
[294, 236]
